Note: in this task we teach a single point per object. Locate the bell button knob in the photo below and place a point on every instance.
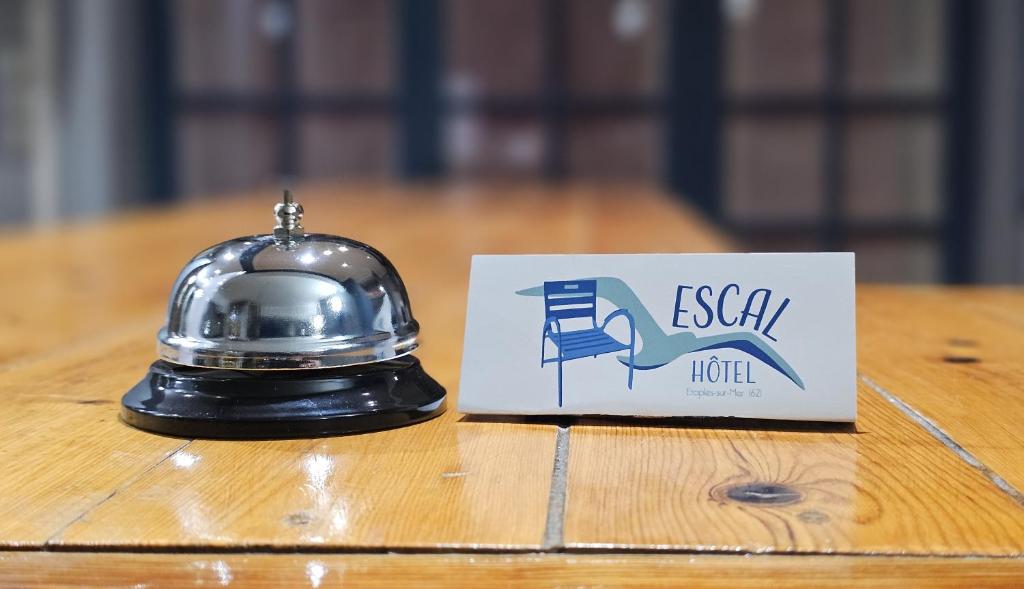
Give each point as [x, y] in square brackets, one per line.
[289, 219]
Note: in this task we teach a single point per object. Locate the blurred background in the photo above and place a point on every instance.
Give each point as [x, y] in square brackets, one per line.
[893, 128]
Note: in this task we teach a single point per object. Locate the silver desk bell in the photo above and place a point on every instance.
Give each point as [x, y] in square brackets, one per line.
[285, 335]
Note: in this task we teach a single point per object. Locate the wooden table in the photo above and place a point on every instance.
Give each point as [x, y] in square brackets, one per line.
[923, 490]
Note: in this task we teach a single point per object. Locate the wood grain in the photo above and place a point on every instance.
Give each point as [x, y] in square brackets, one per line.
[957, 357]
[889, 488]
[63, 449]
[77, 475]
[91, 298]
[438, 484]
[75, 281]
[483, 571]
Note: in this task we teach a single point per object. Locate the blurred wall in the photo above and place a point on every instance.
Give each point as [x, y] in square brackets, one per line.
[15, 124]
[834, 126]
[999, 255]
[70, 127]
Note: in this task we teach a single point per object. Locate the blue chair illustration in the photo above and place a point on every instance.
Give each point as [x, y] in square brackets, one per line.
[572, 299]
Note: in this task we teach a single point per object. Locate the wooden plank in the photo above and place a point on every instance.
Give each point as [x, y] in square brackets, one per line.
[72, 463]
[1005, 303]
[432, 484]
[74, 281]
[63, 449]
[91, 297]
[888, 488]
[444, 483]
[957, 357]
[483, 571]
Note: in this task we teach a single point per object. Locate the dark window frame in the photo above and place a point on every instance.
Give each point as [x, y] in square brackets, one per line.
[692, 106]
[698, 96]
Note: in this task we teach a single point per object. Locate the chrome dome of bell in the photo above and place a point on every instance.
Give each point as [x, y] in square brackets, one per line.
[287, 300]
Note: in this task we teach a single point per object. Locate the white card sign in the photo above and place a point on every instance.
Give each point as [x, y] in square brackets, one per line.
[732, 335]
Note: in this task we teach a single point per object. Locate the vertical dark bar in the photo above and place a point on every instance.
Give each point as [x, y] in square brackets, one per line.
[694, 103]
[833, 227]
[960, 166]
[157, 93]
[286, 49]
[419, 67]
[554, 97]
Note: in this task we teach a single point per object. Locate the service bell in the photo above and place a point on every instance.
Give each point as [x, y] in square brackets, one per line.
[285, 334]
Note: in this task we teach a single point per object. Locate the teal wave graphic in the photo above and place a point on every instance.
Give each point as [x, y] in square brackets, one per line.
[659, 348]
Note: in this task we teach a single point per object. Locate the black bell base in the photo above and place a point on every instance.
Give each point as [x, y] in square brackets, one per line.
[190, 402]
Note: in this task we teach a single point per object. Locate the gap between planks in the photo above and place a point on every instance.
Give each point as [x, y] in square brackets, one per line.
[554, 529]
[554, 526]
[589, 550]
[946, 440]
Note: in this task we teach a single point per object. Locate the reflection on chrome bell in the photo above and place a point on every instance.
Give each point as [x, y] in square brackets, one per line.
[285, 335]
